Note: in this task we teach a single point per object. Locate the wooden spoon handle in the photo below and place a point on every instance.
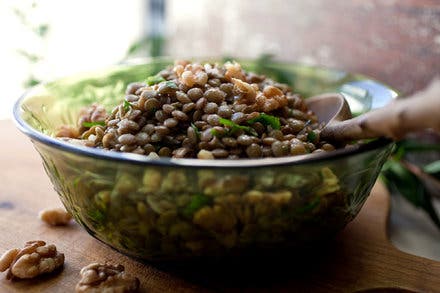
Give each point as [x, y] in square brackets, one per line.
[403, 116]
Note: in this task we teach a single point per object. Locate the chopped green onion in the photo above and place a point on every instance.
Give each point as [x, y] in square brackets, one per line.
[311, 136]
[216, 133]
[154, 79]
[171, 84]
[197, 131]
[265, 119]
[127, 105]
[91, 124]
[234, 127]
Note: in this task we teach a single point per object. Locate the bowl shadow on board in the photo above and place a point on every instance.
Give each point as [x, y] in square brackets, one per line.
[258, 270]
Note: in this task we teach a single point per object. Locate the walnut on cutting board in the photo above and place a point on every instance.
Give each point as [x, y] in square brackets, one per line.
[109, 278]
[34, 259]
[55, 217]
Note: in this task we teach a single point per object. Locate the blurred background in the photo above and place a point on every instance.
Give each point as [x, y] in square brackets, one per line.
[394, 41]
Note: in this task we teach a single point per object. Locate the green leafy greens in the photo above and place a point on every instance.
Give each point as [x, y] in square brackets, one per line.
[410, 181]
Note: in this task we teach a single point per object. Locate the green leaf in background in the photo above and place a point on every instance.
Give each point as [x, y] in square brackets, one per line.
[42, 30]
[433, 168]
[400, 180]
[406, 146]
[147, 46]
[278, 74]
[31, 81]
[31, 57]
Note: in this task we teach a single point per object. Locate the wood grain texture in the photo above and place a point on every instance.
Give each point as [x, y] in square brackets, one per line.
[360, 258]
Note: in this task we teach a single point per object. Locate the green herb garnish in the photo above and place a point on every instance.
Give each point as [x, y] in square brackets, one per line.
[95, 123]
[197, 202]
[127, 105]
[234, 127]
[216, 133]
[171, 84]
[197, 131]
[265, 119]
[154, 79]
[311, 136]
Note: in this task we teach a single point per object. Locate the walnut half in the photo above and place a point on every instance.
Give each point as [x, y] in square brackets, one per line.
[34, 259]
[106, 278]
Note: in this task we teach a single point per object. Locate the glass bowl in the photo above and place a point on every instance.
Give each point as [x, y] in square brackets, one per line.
[180, 209]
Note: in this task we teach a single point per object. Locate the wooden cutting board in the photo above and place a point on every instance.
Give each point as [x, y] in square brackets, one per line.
[361, 258]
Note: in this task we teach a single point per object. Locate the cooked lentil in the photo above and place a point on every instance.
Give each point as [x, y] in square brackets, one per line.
[220, 110]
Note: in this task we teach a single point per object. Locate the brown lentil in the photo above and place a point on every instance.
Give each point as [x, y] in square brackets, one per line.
[182, 97]
[254, 151]
[188, 107]
[179, 115]
[151, 105]
[170, 122]
[167, 108]
[127, 139]
[213, 119]
[215, 95]
[162, 130]
[201, 103]
[220, 153]
[280, 149]
[210, 108]
[194, 94]
[224, 111]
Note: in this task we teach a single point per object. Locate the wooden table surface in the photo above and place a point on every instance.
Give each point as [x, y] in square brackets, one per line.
[360, 258]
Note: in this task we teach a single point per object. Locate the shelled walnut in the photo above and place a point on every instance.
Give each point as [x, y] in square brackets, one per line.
[106, 278]
[55, 217]
[34, 259]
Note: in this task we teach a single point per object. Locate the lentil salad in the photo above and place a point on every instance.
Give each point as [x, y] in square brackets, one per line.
[205, 111]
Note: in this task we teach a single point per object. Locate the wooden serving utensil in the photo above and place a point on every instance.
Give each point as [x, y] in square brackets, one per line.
[395, 120]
